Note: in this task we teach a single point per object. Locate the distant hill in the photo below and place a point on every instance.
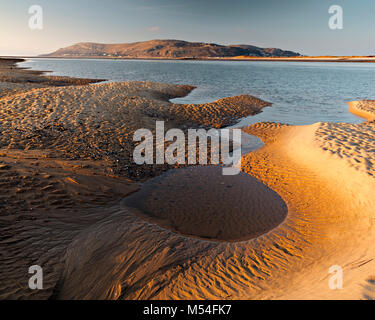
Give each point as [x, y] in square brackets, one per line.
[174, 49]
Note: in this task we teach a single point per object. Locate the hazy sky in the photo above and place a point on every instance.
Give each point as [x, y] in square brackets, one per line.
[299, 25]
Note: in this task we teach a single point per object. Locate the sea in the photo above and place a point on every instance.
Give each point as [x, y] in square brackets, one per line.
[301, 93]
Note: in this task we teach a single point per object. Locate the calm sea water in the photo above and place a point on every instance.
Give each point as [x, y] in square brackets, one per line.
[301, 92]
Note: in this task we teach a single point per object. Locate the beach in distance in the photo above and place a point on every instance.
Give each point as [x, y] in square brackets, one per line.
[103, 227]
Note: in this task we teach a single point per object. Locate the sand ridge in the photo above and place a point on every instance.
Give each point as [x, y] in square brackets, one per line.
[98, 121]
[363, 108]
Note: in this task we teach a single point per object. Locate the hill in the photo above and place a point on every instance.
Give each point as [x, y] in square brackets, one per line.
[173, 49]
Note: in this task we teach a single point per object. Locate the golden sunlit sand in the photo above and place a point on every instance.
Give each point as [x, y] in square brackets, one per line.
[330, 222]
[305, 202]
[363, 108]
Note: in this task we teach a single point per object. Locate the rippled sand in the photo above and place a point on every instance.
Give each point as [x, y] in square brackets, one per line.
[363, 108]
[330, 222]
[202, 202]
[65, 164]
[62, 208]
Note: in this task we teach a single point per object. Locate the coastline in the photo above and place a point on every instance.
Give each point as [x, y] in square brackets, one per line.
[65, 166]
[14, 79]
[363, 108]
[259, 59]
[145, 101]
[66, 159]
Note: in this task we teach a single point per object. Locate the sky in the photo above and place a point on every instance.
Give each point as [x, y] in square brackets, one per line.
[298, 25]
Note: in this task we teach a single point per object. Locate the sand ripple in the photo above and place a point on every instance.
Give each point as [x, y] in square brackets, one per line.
[363, 108]
[330, 222]
[201, 202]
[323, 173]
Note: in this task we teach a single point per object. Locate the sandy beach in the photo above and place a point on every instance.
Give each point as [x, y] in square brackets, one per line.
[66, 158]
[74, 201]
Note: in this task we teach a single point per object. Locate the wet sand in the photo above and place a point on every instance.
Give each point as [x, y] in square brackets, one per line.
[329, 223]
[64, 175]
[66, 160]
[14, 79]
[202, 202]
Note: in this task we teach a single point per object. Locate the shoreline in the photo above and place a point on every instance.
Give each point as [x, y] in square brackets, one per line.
[65, 158]
[155, 105]
[363, 108]
[15, 79]
[65, 169]
[275, 59]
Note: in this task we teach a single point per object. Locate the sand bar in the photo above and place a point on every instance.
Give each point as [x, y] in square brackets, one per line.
[363, 108]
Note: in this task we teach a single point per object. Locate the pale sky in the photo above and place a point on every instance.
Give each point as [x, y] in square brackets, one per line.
[298, 25]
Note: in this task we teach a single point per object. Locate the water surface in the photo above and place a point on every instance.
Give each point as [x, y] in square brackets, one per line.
[301, 92]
